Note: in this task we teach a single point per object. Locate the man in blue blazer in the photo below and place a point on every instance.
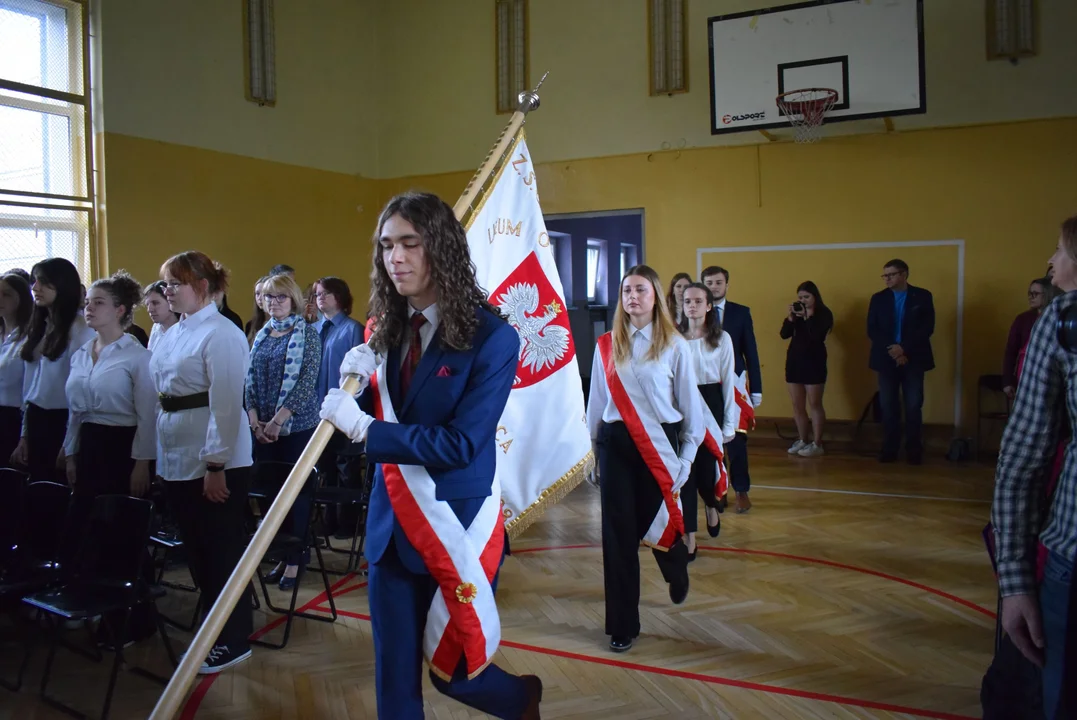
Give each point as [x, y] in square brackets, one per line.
[736, 320]
[450, 364]
[901, 320]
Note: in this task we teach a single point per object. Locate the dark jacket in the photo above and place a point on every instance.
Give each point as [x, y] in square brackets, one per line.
[737, 321]
[918, 324]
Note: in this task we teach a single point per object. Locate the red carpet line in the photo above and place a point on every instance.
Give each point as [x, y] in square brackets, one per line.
[203, 686]
[711, 679]
[802, 558]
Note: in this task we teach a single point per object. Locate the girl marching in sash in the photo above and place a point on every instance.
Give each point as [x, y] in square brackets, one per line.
[646, 421]
[712, 359]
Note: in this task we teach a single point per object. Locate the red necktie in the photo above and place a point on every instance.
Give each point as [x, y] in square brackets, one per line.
[415, 351]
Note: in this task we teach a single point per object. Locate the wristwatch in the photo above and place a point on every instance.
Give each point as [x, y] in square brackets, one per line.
[214, 467]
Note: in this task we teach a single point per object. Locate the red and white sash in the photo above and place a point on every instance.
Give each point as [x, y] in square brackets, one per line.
[743, 402]
[463, 619]
[652, 443]
[713, 442]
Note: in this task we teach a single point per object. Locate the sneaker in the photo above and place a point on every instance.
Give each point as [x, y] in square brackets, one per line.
[797, 447]
[811, 450]
[221, 658]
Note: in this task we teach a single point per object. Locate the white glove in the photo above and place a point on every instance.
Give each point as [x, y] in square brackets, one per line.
[757, 399]
[341, 409]
[682, 476]
[360, 361]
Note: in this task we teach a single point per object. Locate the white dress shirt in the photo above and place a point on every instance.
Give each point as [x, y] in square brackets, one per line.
[13, 374]
[670, 384]
[116, 391]
[46, 380]
[156, 333]
[426, 331]
[202, 352]
[715, 365]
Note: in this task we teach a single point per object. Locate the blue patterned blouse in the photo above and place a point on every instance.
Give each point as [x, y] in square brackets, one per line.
[267, 367]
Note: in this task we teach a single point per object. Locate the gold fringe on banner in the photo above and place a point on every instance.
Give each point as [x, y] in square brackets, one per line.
[551, 496]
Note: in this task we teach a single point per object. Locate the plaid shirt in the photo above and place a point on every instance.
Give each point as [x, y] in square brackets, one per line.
[1047, 389]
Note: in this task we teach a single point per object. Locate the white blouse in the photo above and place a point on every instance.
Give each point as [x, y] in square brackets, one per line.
[203, 352]
[117, 391]
[46, 380]
[716, 365]
[13, 374]
[670, 384]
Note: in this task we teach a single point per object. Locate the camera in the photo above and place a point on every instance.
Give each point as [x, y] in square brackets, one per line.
[798, 307]
[1067, 329]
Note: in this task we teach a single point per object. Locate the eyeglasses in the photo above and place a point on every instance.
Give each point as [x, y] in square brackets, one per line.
[322, 295]
[173, 286]
[1035, 293]
[275, 298]
[887, 276]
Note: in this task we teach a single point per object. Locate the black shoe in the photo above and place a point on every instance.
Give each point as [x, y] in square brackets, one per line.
[221, 658]
[621, 643]
[713, 530]
[692, 555]
[274, 576]
[534, 697]
[678, 593]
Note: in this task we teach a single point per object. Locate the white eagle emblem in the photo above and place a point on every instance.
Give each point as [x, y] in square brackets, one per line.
[541, 344]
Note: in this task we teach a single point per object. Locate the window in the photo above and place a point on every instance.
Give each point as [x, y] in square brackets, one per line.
[511, 53]
[628, 258]
[594, 253]
[669, 52]
[45, 187]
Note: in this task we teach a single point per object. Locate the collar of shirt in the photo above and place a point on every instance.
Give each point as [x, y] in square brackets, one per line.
[644, 332]
[125, 341]
[431, 315]
[193, 321]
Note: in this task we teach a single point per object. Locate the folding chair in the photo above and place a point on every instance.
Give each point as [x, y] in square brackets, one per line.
[268, 478]
[106, 578]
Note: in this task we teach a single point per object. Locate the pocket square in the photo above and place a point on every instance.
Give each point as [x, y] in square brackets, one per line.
[444, 371]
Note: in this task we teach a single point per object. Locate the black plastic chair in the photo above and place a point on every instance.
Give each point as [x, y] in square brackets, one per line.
[12, 487]
[268, 478]
[33, 563]
[105, 578]
[359, 498]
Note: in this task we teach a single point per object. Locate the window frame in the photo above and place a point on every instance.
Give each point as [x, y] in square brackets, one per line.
[76, 107]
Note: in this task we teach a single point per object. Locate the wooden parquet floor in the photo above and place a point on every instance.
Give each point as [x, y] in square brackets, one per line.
[851, 590]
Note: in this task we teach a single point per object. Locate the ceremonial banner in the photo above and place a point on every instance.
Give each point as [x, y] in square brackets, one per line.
[544, 447]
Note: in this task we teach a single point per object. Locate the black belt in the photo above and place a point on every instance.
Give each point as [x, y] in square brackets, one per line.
[173, 403]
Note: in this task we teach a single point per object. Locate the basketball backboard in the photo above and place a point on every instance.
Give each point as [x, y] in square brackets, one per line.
[870, 51]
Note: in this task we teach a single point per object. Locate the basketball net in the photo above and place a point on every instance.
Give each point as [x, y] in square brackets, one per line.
[806, 109]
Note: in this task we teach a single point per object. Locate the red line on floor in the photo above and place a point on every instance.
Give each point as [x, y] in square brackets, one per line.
[803, 558]
[203, 686]
[712, 679]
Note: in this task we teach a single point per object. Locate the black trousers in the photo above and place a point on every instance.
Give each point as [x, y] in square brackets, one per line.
[215, 536]
[10, 432]
[45, 431]
[341, 465]
[704, 475]
[736, 453]
[287, 449]
[630, 499]
[103, 467]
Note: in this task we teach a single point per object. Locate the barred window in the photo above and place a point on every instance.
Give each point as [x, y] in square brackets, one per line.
[46, 191]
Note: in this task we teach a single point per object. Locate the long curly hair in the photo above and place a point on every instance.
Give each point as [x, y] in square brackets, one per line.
[451, 270]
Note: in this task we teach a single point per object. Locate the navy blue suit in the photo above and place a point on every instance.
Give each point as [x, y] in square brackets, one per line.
[737, 321]
[907, 381]
[447, 423]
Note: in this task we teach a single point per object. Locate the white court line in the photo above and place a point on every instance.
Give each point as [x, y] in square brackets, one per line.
[872, 494]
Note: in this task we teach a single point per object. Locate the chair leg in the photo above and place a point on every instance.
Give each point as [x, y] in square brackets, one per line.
[118, 640]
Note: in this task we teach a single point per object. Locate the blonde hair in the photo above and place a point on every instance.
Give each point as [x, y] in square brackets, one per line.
[663, 333]
[283, 285]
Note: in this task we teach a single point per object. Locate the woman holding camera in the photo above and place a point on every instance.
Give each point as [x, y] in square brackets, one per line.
[806, 327]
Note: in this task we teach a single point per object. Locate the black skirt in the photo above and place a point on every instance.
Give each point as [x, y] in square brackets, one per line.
[803, 368]
[10, 432]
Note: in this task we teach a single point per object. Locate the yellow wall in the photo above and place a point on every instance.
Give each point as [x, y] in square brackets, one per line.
[249, 214]
[437, 92]
[1003, 189]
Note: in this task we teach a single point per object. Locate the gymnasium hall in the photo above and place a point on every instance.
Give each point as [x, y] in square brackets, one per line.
[867, 198]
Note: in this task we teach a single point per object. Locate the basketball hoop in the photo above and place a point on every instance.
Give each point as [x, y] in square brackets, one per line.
[806, 110]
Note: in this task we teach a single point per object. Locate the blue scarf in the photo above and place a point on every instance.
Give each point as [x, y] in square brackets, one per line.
[293, 362]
